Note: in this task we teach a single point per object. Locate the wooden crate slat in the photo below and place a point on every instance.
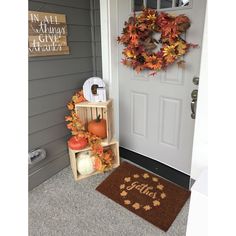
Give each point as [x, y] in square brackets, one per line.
[99, 112]
[73, 163]
[109, 123]
[94, 113]
[94, 104]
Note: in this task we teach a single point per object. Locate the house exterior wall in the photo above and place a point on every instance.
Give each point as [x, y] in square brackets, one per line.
[95, 7]
[54, 79]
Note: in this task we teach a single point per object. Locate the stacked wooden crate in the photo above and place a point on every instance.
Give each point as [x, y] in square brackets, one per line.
[88, 111]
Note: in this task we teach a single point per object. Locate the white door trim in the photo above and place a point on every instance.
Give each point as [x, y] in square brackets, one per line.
[200, 141]
[109, 33]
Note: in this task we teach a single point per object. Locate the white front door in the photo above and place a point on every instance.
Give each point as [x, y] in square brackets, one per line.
[155, 112]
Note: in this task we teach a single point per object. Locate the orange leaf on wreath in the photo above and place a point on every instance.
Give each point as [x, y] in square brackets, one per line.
[142, 27]
[134, 39]
[138, 69]
[169, 53]
[181, 47]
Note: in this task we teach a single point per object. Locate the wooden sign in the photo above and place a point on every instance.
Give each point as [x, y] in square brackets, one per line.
[47, 34]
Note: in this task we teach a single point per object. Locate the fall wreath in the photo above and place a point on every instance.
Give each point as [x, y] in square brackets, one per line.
[137, 37]
[103, 157]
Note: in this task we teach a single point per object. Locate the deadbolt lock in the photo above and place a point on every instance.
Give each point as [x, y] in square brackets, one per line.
[196, 80]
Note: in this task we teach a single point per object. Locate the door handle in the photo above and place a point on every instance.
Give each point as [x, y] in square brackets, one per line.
[193, 108]
[194, 103]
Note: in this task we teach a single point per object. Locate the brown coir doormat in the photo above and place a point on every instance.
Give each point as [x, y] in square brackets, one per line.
[147, 195]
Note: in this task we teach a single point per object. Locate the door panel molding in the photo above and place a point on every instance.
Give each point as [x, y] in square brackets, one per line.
[174, 75]
[139, 112]
[170, 116]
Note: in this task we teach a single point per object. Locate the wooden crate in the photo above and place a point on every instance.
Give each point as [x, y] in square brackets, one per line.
[74, 154]
[88, 111]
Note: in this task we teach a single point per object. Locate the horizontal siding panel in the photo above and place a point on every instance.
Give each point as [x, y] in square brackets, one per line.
[79, 33]
[57, 84]
[48, 135]
[99, 74]
[97, 17]
[49, 102]
[98, 49]
[70, 3]
[99, 63]
[53, 149]
[73, 15]
[96, 4]
[47, 171]
[77, 49]
[97, 33]
[46, 120]
[44, 69]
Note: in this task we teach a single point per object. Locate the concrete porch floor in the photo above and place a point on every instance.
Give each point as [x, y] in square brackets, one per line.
[60, 206]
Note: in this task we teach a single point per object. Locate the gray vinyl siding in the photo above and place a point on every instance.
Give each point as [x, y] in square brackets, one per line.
[54, 79]
[97, 38]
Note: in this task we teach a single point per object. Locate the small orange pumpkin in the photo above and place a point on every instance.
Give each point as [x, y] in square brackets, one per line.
[98, 127]
[77, 143]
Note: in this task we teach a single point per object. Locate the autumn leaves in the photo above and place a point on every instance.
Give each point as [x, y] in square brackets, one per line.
[137, 37]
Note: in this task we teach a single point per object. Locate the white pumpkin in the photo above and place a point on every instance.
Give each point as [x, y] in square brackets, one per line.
[85, 163]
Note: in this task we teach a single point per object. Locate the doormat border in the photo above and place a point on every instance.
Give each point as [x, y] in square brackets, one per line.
[158, 168]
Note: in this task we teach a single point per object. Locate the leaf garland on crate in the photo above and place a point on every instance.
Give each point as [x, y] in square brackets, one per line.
[137, 37]
[103, 156]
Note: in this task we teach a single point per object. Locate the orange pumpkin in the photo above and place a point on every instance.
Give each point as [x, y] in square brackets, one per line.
[98, 127]
[77, 143]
